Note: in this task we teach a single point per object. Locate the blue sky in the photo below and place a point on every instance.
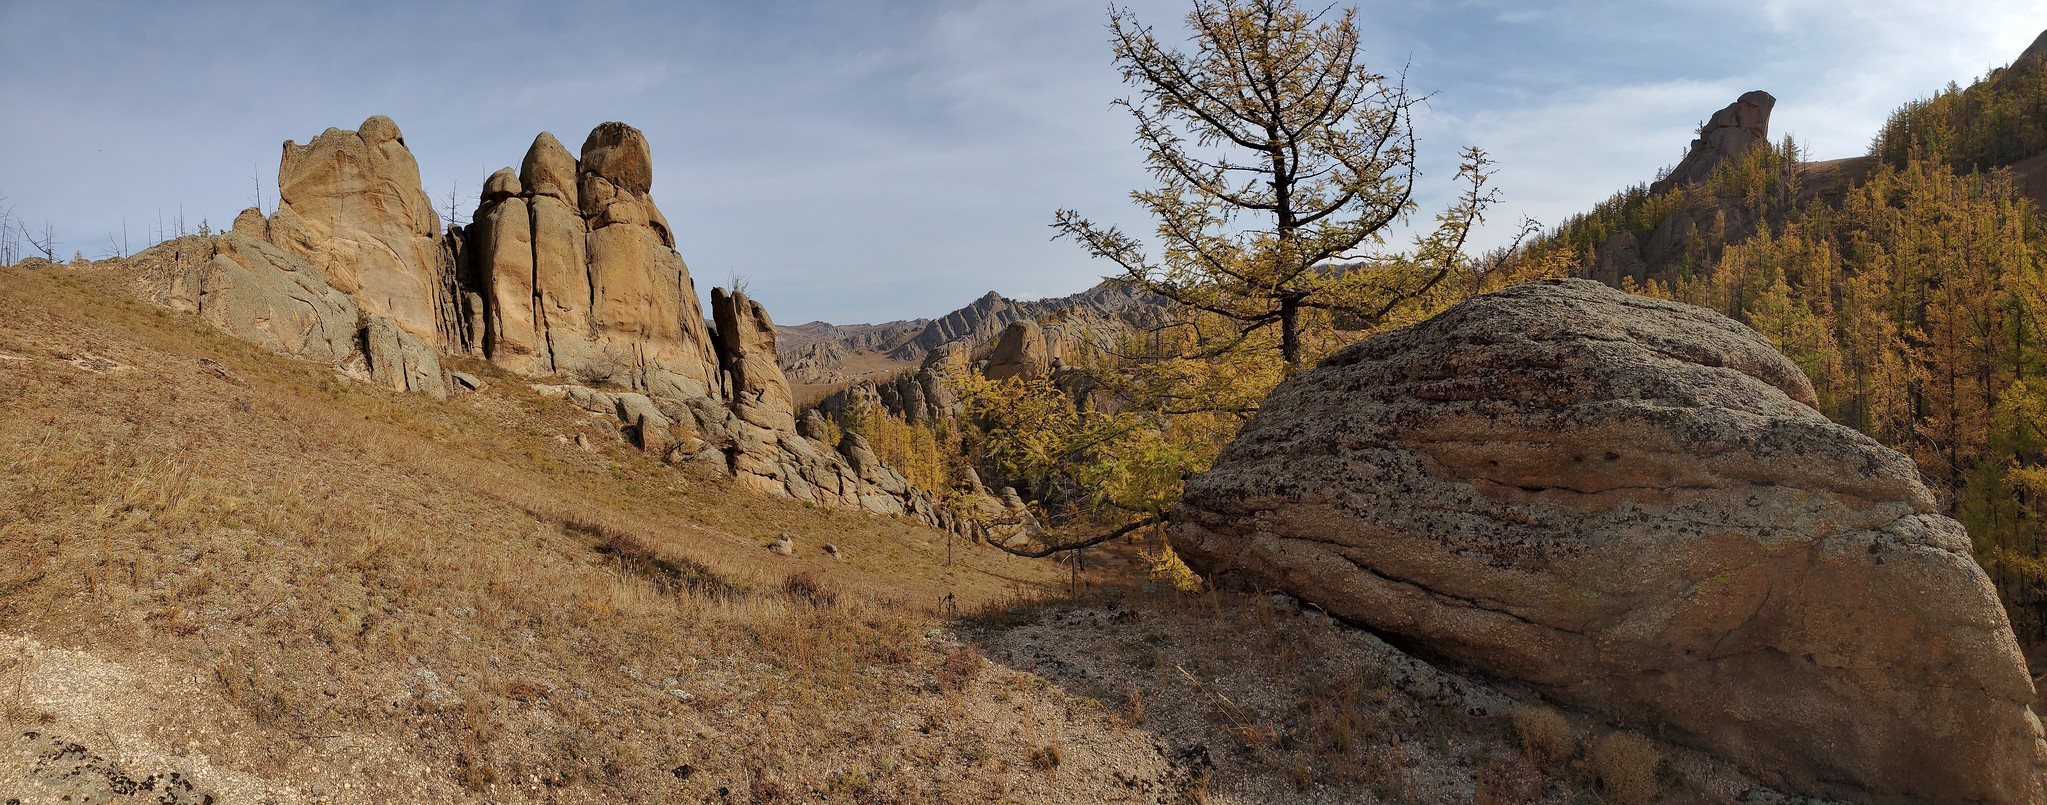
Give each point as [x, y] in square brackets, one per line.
[865, 161]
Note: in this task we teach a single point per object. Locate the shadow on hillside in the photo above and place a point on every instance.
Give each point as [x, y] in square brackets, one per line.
[1257, 698]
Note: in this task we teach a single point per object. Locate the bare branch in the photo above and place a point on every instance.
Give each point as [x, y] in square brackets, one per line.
[1048, 550]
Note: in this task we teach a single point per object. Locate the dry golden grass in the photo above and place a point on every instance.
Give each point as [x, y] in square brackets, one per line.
[1545, 737]
[529, 620]
[1625, 764]
[1511, 783]
[339, 593]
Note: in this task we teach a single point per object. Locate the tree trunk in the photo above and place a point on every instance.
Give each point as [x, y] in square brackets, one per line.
[1290, 331]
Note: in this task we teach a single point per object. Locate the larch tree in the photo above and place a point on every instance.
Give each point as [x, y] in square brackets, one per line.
[1282, 165]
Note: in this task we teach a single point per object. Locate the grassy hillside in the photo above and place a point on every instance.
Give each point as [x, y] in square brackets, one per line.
[396, 598]
[236, 575]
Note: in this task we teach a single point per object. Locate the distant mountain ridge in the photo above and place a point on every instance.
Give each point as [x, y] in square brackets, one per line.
[818, 353]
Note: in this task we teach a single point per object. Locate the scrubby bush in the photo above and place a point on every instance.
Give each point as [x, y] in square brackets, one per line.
[1625, 765]
[1545, 736]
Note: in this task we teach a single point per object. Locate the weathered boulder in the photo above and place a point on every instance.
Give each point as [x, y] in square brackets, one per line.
[400, 360]
[254, 290]
[1630, 504]
[1020, 352]
[814, 426]
[1731, 132]
[357, 211]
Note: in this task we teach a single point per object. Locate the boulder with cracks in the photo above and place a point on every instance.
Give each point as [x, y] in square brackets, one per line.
[1631, 505]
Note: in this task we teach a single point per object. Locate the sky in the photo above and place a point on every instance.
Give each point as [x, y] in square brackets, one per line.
[869, 161]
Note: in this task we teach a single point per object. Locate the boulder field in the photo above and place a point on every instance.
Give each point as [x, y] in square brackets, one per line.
[1631, 505]
[569, 275]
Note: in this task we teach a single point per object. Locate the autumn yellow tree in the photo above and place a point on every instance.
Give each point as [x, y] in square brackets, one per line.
[1282, 161]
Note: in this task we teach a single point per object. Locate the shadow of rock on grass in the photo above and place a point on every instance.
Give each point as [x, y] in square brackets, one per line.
[1254, 699]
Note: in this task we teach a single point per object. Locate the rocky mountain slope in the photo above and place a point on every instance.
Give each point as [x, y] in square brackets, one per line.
[823, 353]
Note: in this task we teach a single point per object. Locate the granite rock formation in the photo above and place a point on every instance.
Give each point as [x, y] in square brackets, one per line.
[1731, 132]
[350, 269]
[579, 272]
[921, 397]
[351, 203]
[1630, 505]
[568, 271]
[1654, 255]
[1020, 353]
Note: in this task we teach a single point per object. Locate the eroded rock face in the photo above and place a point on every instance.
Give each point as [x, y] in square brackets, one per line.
[1731, 132]
[353, 205]
[1631, 505]
[281, 301]
[580, 271]
[1020, 353]
[251, 288]
[746, 348]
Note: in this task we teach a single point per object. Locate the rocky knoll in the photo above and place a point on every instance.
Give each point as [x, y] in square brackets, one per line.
[1654, 255]
[1631, 505]
[921, 397]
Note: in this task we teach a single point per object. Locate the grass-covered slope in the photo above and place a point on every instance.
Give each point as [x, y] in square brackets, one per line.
[229, 574]
[322, 586]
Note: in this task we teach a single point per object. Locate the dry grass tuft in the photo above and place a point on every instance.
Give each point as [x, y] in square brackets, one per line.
[960, 668]
[1047, 757]
[811, 589]
[1545, 736]
[1133, 704]
[1625, 765]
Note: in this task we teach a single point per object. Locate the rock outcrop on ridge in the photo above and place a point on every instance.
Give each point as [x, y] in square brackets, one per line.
[1731, 132]
[1628, 255]
[1020, 352]
[350, 269]
[1631, 505]
[568, 273]
[579, 272]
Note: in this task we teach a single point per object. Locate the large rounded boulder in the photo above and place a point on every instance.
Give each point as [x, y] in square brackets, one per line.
[1631, 505]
